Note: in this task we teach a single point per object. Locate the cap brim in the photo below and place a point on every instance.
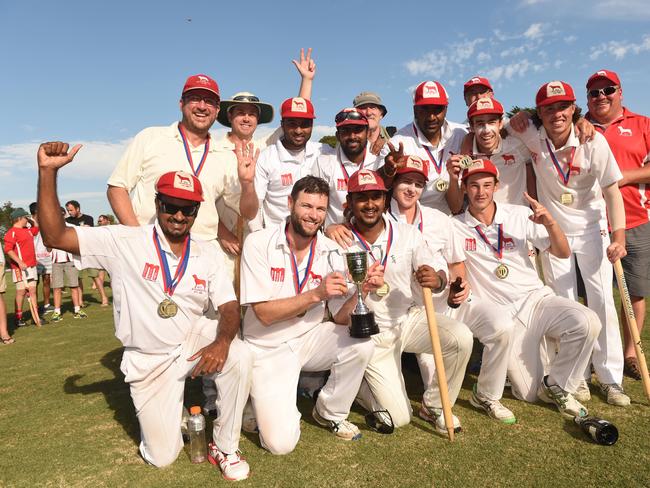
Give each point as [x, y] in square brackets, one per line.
[404, 171]
[202, 88]
[427, 102]
[362, 123]
[266, 111]
[552, 100]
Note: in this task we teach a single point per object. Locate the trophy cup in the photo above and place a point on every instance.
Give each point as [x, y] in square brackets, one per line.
[362, 320]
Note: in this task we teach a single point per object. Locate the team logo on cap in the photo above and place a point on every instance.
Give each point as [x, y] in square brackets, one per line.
[475, 80]
[203, 79]
[477, 164]
[430, 90]
[554, 89]
[367, 178]
[601, 73]
[415, 163]
[298, 104]
[484, 103]
[183, 181]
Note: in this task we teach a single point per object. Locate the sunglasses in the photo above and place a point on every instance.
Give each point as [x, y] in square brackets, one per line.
[246, 98]
[171, 209]
[196, 99]
[349, 115]
[608, 90]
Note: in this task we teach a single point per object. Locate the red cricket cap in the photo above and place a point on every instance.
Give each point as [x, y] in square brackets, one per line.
[477, 80]
[481, 166]
[179, 184]
[430, 93]
[554, 91]
[604, 74]
[203, 82]
[484, 106]
[350, 116]
[298, 108]
[365, 180]
[415, 164]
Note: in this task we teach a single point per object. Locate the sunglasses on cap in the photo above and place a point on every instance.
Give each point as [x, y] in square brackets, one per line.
[349, 115]
[608, 90]
[246, 98]
[171, 209]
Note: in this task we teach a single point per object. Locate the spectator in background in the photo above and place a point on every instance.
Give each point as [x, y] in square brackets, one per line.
[4, 333]
[371, 106]
[43, 264]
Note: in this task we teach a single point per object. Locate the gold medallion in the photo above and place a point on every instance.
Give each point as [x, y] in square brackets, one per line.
[441, 185]
[383, 290]
[566, 199]
[502, 271]
[465, 162]
[167, 309]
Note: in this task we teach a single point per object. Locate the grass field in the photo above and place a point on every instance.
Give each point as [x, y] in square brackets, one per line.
[66, 419]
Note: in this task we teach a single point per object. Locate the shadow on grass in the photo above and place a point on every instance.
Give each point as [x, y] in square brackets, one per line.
[115, 391]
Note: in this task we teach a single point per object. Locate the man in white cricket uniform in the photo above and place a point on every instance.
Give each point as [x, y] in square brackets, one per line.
[495, 239]
[163, 280]
[285, 162]
[578, 183]
[186, 146]
[486, 321]
[432, 138]
[399, 312]
[291, 277]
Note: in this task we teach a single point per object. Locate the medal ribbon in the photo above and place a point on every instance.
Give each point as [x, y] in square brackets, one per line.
[564, 177]
[297, 282]
[367, 247]
[437, 165]
[170, 283]
[346, 175]
[188, 152]
[497, 250]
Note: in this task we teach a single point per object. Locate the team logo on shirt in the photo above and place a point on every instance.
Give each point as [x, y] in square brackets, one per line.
[200, 286]
[287, 179]
[315, 279]
[622, 131]
[150, 271]
[533, 156]
[508, 244]
[341, 184]
[277, 275]
[470, 244]
[508, 159]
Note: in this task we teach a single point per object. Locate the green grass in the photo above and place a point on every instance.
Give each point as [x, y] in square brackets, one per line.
[66, 419]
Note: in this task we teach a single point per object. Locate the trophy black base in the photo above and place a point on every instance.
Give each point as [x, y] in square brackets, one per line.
[363, 326]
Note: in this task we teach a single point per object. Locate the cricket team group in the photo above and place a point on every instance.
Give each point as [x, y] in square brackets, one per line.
[230, 263]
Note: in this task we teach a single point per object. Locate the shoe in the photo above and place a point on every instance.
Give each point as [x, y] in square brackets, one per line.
[342, 429]
[20, 323]
[435, 417]
[615, 394]
[631, 368]
[56, 317]
[47, 308]
[380, 421]
[494, 408]
[233, 466]
[80, 315]
[7, 340]
[563, 400]
[582, 393]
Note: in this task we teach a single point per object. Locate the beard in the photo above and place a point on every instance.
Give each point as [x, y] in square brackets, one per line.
[299, 229]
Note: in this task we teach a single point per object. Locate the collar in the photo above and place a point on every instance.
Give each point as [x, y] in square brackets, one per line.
[445, 133]
[397, 216]
[384, 233]
[282, 243]
[499, 217]
[164, 245]
[572, 141]
[626, 115]
[177, 136]
[286, 157]
[346, 161]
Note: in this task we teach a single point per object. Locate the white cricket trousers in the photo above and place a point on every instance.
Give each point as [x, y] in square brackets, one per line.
[384, 386]
[275, 380]
[157, 385]
[558, 320]
[590, 251]
[492, 326]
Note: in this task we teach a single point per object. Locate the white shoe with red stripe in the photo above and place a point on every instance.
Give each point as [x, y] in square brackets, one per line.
[233, 466]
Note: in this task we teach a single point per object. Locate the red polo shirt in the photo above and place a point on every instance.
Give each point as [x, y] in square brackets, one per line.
[21, 241]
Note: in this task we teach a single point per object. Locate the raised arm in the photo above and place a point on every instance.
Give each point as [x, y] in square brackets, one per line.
[307, 69]
[121, 204]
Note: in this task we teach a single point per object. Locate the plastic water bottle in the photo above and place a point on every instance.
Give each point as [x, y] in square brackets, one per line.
[196, 430]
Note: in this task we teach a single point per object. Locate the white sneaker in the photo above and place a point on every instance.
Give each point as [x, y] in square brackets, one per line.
[342, 429]
[435, 417]
[582, 393]
[233, 466]
[563, 400]
[494, 408]
[615, 394]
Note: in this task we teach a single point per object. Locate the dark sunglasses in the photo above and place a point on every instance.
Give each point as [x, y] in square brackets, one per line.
[246, 98]
[608, 90]
[186, 210]
[349, 115]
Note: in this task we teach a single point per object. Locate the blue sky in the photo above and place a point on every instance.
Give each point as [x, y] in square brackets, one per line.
[99, 72]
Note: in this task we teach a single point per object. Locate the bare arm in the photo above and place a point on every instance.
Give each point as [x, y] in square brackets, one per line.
[616, 214]
[307, 69]
[246, 163]
[559, 244]
[531, 181]
[636, 175]
[51, 157]
[15, 258]
[121, 204]
[454, 194]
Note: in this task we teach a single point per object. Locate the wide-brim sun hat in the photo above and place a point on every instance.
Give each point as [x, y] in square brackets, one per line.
[265, 109]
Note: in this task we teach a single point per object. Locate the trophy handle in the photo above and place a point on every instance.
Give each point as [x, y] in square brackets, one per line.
[379, 254]
[329, 259]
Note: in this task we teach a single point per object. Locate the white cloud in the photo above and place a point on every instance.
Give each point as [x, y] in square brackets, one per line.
[620, 49]
[534, 31]
[438, 63]
[570, 39]
[631, 10]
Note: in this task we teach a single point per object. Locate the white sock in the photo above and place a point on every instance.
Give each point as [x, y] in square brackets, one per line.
[77, 308]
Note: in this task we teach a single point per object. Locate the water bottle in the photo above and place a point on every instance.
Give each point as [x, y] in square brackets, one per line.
[455, 287]
[196, 430]
[601, 431]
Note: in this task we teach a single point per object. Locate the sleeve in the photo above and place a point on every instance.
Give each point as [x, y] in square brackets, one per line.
[530, 137]
[34, 230]
[219, 285]
[129, 167]
[603, 162]
[317, 170]
[256, 284]
[423, 254]
[455, 251]
[10, 240]
[536, 233]
[97, 246]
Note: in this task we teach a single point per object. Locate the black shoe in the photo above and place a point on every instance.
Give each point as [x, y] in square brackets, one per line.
[380, 421]
[20, 323]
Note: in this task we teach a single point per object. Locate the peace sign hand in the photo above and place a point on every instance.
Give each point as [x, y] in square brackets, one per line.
[246, 161]
[306, 66]
[55, 155]
[540, 214]
[394, 160]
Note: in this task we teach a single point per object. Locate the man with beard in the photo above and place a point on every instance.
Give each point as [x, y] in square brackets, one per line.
[352, 154]
[433, 139]
[628, 135]
[161, 320]
[290, 274]
[578, 183]
[399, 311]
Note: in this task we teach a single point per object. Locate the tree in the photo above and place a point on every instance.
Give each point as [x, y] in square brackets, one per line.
[329, 140]
[5, 218]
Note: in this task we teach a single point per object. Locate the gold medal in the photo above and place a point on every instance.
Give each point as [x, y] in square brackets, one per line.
[566, 199]
[465, 162]
[502, 271]
[383, 290]
[441, 185]
[167, 309]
